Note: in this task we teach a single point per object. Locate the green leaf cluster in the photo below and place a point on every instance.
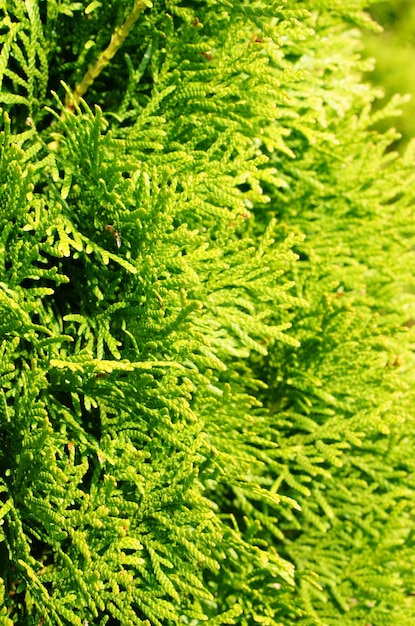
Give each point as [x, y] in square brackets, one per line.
[206, 319]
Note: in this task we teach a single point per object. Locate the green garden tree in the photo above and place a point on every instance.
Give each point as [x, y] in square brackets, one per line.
[207, 312]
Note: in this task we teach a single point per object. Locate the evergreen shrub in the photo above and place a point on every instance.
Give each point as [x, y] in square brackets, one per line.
[207, 319]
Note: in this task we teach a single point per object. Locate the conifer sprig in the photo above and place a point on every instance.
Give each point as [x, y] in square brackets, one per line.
[117, 39]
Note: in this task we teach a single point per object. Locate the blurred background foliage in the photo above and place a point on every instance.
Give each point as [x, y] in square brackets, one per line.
[394, 52]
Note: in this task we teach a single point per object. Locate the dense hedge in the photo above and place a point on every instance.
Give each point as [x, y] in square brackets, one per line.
[206, 319]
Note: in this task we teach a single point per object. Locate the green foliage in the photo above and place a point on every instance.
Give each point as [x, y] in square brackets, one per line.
[207, 313]
[394, 53]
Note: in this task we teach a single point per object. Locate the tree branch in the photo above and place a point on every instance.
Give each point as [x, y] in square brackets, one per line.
[119, 35]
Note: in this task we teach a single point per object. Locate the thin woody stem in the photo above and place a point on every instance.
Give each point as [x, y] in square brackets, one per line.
[117, 39]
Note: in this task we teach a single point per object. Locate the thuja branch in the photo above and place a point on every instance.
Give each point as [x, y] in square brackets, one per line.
[119, 35]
